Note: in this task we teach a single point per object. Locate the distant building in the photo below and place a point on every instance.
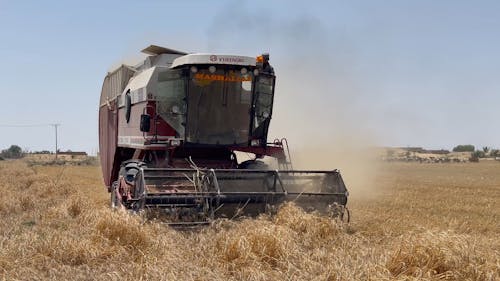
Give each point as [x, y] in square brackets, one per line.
[422, 150]
[72, 153]
[412, 149]
[439, 151]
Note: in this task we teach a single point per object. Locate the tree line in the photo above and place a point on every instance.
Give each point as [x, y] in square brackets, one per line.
[13, 152]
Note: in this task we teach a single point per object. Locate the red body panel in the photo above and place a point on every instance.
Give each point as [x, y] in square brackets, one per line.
[108, 133]
[159, 128]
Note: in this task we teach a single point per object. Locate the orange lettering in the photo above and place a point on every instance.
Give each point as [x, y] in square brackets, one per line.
[216, 77]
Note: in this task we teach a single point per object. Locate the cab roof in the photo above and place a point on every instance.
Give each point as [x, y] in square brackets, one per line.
[158, 50]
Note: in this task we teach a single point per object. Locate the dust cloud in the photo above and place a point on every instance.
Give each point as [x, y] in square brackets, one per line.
[357, 163]
[318, 105]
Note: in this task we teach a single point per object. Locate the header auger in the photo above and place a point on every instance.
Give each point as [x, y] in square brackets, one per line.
[170, 129]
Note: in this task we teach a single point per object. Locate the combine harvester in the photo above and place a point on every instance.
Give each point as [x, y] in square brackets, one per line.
[170, 130]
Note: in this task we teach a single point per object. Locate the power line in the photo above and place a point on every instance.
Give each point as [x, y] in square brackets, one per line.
[25, 125]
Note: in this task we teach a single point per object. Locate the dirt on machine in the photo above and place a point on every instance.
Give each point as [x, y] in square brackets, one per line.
[172, 130]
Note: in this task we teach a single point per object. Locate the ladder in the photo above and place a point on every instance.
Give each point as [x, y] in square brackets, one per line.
[286, 163]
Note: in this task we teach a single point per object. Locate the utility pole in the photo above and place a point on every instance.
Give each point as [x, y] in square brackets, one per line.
[36, 125]
[55, 128]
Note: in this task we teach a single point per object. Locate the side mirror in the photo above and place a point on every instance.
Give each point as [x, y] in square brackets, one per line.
[145, 123]
[128, 105]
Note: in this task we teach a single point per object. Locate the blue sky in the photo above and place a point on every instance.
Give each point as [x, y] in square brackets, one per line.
[397, 73]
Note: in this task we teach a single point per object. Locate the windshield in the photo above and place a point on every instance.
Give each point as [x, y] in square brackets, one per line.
[219, 103]
[170, 97]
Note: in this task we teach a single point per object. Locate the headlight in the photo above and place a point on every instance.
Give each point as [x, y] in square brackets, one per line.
[255, 142]
[175, 142]
[175, 109]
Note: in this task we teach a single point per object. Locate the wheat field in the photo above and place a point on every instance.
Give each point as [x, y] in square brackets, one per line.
[418, 222]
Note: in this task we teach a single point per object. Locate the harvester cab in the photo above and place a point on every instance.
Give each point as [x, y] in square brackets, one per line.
[171, 128]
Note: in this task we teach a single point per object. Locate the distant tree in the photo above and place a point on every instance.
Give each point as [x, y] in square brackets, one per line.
[13, 152]
[474, 157]
[464, 148]
[479, 154]
[495, 152]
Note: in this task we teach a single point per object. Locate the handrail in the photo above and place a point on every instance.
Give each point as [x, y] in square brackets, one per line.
[285, 142]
